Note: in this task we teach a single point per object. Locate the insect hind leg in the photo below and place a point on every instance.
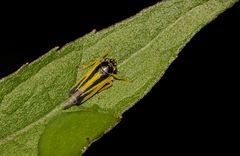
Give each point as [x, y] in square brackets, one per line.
[94, 91]
[109, 84]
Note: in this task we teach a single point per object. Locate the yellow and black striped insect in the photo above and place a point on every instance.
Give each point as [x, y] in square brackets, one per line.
[98, 78]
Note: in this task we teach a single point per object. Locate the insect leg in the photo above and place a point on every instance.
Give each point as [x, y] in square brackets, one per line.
[105, 54]
[115, 76]
[98, 88]
[98, 61]
[90, 64]
[109, 84]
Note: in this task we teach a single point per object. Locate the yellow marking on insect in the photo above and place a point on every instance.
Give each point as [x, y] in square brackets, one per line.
[97, 79]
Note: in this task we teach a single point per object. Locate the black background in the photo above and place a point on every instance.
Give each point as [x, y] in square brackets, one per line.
[191, 109]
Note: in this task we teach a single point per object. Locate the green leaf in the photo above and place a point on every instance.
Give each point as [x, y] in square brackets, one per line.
[69, 132]
[144, 47]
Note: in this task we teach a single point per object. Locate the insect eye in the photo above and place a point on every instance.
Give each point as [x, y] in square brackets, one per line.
[113, 62]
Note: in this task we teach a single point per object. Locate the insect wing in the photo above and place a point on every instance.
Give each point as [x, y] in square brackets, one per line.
[104, 84]
[85, 78]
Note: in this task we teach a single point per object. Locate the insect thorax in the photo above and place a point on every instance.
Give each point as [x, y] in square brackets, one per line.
[108, 67]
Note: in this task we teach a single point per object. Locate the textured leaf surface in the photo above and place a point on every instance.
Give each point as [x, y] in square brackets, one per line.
[144, 47]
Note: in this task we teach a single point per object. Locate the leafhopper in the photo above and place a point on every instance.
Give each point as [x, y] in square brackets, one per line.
[100, 77]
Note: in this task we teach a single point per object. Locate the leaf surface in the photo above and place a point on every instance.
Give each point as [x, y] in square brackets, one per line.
[144, 46]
